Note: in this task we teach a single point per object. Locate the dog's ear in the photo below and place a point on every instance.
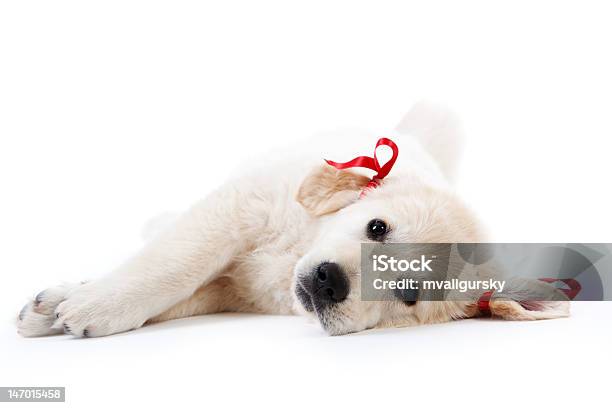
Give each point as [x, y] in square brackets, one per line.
[326, 190]
[529, 299]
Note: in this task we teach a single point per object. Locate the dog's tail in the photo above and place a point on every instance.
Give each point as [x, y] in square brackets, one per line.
[439, 131]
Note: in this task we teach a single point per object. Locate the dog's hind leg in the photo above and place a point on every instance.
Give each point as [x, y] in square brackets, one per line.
[187, 256]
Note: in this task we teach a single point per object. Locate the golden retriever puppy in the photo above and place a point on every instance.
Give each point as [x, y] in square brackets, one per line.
[285, 238]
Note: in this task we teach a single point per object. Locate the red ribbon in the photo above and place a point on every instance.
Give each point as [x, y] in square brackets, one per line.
[571, 293]
[572, 284]
[371, 163]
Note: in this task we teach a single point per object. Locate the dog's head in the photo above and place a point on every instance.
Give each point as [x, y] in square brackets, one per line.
[404, 208]
[415, 203]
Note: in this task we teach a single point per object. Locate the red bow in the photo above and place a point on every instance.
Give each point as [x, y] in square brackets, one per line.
[371, 163]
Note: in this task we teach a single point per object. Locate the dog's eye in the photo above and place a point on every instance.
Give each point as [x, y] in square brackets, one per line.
[376, 229]
[407, 296]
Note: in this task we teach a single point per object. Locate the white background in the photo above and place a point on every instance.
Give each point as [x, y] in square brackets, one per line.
[112, 112]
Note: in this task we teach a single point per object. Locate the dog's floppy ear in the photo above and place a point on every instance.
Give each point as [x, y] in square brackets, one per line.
[529, 299]
[326, 190]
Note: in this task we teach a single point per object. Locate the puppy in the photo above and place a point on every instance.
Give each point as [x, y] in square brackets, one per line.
[285, 239]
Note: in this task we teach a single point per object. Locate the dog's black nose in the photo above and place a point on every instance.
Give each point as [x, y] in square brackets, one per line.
[331, 284]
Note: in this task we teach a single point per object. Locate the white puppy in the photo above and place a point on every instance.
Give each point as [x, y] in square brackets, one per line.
[270, 240]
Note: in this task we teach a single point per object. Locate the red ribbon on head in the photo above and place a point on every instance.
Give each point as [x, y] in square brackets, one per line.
[572, 291]
[371, 163]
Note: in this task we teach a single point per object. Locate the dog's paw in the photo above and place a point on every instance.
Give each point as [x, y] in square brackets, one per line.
[37, 317]
[96, 309]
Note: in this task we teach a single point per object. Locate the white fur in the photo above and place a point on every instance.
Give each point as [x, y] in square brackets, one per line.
[243, 246]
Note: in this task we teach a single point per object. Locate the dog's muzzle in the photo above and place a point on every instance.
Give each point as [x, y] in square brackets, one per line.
[326, 285]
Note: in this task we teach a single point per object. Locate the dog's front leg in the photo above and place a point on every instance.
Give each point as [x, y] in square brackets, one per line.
[169, 269]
